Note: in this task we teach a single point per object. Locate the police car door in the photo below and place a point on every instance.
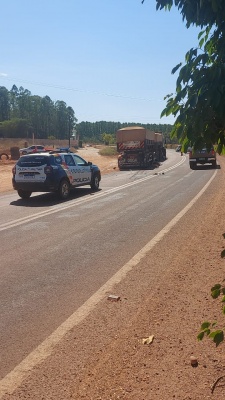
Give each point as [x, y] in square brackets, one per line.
[72, 170]
[84, 170]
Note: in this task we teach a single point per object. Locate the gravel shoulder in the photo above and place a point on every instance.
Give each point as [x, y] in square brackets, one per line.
[167, 295]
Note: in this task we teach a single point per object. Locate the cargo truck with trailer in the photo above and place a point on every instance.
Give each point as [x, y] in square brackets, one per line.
[139, 147]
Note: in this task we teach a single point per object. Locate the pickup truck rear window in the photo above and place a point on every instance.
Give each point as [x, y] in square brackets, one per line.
[204, 150]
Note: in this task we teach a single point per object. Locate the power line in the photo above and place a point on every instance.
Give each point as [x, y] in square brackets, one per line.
[54, 86]
[134, 117]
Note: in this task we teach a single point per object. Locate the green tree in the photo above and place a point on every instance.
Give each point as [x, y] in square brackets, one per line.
[39, 115]
[4, 104]
[35, 120]
[48, 116]
[14, 128]
[23, 99]
[71, 120]
[13, 98]
[199, 101]
[108, 138]
[62, 119]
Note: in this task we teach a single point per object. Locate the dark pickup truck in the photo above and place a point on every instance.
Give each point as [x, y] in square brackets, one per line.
[202, 157]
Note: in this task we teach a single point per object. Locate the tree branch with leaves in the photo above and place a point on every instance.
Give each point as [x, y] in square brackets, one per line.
[198, 103]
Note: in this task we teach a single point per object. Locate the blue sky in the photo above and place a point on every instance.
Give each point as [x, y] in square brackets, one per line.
[110, 60]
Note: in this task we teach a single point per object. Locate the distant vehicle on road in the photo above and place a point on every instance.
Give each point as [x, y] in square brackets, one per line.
[139, 147]
[32, 149]
[178, 148]
[53, 172]
[202, 157]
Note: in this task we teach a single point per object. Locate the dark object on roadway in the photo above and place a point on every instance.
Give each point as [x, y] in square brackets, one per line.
[113, 297]
[178, 148]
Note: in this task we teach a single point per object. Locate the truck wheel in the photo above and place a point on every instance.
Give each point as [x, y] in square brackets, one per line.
[64, 189]
[214, 164]
[95, 182]
[24, 194]
[192, 165]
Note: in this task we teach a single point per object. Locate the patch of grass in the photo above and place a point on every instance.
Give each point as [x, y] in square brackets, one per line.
[108, 151]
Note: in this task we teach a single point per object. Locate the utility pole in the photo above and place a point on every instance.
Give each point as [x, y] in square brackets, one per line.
[69, 131]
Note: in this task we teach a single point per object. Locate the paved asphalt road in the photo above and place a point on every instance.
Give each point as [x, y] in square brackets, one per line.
[55, 255]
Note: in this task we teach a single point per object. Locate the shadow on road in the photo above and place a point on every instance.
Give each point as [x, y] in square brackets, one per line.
[206, 166]
[51, 199]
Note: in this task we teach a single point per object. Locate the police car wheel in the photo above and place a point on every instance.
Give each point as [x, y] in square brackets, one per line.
[64, 189]
[95, 182]
[24, 194]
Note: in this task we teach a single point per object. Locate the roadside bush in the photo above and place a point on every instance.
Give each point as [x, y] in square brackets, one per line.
[108, 151]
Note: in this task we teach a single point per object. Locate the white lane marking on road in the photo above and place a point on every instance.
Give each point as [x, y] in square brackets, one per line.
[14, 378]
[58, 208]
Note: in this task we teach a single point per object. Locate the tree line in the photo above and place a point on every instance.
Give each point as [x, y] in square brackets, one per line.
[23, 115]
[96, 132]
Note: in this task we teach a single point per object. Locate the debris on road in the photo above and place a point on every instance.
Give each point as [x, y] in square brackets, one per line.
[148, 340]
[194, 361]
[112, 297]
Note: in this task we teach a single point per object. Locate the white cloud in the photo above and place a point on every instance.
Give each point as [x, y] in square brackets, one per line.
[3, 74]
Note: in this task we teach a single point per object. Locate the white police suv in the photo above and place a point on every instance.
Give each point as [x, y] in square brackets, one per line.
[53, 172]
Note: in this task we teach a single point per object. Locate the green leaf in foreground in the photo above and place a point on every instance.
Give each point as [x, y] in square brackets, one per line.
[216, 286]
[205, 325]
[215, 293]
[200, 336]
[217, 336]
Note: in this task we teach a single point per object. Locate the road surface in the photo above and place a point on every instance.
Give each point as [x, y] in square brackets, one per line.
[58, 255]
